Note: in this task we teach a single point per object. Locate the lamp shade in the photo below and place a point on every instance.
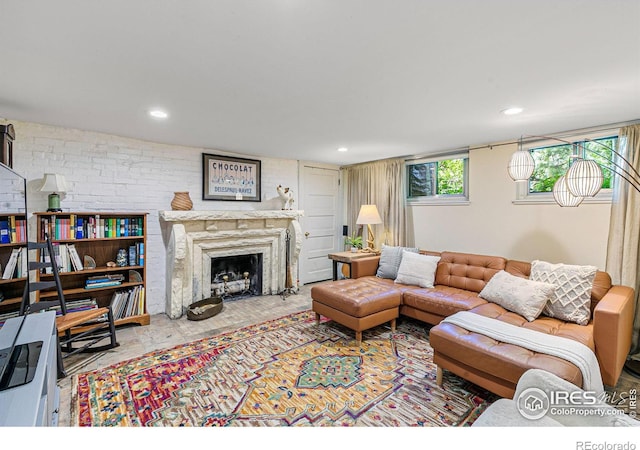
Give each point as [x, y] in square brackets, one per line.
[368, 215]
[54, 183]
[563, 196]
[584, 178]
[521, 165]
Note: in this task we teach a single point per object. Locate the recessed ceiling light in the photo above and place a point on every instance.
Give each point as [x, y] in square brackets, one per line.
[343, 149]
[158, 114]
[511, 111]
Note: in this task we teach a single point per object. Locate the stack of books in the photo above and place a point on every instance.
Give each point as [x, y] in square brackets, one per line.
[128, 303]
[13, 230]
[77, 305]
[16, 265]
[101, 281]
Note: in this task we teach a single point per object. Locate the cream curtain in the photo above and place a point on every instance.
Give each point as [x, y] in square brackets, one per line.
[623, 250]
[379, 183]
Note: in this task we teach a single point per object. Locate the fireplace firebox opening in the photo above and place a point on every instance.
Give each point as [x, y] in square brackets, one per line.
[235, 277]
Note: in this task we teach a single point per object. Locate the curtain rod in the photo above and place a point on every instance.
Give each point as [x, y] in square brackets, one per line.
[607, 127]
[564, 134]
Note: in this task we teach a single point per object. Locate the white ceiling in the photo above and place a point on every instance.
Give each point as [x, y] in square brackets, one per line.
[300, 78]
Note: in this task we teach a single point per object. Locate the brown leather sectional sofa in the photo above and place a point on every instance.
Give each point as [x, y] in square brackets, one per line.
[494, 365]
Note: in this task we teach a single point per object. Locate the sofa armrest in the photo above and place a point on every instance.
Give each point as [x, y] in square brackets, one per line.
[612, 331]
[363, 267]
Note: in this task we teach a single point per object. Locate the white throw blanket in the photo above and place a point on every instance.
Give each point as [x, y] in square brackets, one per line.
[568, 349]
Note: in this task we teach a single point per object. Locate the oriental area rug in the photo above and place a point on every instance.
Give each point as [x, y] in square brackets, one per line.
[284, 372]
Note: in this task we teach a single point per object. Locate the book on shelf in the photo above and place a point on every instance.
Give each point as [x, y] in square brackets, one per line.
[65, 261]
[5, 234]
[105, 278]
[140, 247]
[12, 229]
[79, 229]
[103, 284]
[10, 268]
[75, 258]
[22, 264]
[22, 230]
[133, 255]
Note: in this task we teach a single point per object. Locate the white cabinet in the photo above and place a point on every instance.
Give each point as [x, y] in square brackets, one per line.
[30, 395]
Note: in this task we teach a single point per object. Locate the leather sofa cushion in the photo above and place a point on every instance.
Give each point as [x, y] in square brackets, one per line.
[467, 271]
[548, 325]
[441, 300]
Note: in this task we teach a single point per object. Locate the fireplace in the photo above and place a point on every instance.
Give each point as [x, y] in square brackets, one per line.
[235, 277]
[195, 238]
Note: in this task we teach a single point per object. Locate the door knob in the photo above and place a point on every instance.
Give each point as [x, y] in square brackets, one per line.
[306, 234]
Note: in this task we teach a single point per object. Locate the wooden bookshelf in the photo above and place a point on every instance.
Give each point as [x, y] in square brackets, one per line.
[85, 231]
[12, 238]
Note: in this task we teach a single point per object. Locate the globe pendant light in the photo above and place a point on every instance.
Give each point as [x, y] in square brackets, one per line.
[521, 165]
[563, 195]
[584, 178]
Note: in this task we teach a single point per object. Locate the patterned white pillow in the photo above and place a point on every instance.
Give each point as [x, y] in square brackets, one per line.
[517, 294]
[390, 259]
[572, 299]
[417, 270]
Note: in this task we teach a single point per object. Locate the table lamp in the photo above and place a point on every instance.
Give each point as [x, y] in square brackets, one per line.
[368, 216]
[55, 184]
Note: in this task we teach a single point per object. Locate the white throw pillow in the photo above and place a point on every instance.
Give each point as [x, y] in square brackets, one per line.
[390, 259]
[418, 270]
[572, 299]
[517, 294]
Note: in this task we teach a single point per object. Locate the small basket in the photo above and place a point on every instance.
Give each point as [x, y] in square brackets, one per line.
[204, 309]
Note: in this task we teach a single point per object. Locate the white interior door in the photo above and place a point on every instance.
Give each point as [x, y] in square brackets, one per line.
[321, 224]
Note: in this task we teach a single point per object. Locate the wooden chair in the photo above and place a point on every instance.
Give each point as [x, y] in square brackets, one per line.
[78, 331]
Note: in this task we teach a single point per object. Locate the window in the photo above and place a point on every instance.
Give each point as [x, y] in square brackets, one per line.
[552, 160]
[438, 180]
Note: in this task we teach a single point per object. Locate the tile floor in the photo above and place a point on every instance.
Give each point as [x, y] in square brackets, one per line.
[165, 333]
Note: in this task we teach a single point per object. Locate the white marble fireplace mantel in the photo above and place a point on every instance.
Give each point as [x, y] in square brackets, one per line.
[198, 236]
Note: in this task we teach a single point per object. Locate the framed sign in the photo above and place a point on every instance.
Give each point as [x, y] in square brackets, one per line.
[230, 178]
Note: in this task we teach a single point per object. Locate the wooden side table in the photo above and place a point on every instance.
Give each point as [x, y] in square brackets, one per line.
[347, 258]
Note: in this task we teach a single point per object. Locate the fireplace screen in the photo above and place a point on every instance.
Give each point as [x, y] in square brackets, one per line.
[238, 276]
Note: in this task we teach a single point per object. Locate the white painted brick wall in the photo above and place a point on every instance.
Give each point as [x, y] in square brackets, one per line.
[113, 173]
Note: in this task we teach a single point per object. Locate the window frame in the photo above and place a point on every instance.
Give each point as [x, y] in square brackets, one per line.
[524, 197]
[439, 199]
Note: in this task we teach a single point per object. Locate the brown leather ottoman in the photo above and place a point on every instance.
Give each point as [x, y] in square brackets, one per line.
[356, 304]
